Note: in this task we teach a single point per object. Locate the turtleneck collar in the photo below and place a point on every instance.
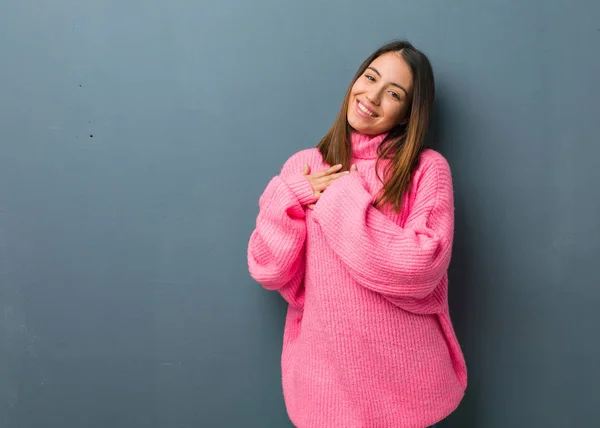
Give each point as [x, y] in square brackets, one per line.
[365, 146]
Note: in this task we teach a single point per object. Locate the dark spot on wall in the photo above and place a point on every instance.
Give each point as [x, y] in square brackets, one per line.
[91, 135]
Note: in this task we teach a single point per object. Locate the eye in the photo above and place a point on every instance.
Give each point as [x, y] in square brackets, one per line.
[395, 95]
[371, 78]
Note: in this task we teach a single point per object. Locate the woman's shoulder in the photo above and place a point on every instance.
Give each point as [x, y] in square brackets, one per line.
[297, 161]
[433, 157]
[433, 161]
[433, 170]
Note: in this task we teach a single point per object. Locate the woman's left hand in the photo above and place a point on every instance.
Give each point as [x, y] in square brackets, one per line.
[353, 170]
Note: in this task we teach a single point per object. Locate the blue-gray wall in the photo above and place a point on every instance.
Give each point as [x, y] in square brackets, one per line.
[136, 138]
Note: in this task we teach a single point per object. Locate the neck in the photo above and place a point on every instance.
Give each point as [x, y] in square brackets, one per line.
[365, 146]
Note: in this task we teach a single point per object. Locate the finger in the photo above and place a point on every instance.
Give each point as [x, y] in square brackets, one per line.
[321, 181]
[354, 168]
[320, 186]
[332, 178]
[328, 178]
[338, 175]
[333, 169]
[311, 206]
[328, 171]
[306, 170]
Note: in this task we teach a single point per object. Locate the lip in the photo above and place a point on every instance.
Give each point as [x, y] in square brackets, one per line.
[361, 113]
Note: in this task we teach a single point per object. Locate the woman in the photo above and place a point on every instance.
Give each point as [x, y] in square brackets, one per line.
[356, 234]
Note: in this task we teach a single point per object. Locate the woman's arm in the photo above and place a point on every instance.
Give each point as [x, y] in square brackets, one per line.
[276, 246]
[407, 264]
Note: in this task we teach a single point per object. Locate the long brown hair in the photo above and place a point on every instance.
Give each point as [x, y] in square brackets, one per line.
[404, 142]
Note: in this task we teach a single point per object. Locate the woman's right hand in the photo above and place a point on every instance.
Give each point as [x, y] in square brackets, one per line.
[322, 180]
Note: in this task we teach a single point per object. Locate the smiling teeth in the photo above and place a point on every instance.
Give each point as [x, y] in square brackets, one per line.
[365, 110]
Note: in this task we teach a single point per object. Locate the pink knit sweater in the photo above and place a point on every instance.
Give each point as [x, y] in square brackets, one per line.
[368, 339]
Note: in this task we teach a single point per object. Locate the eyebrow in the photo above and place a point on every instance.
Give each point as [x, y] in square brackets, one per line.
[395, 84]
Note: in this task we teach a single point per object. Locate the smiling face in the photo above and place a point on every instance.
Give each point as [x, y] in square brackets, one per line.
[381, 96]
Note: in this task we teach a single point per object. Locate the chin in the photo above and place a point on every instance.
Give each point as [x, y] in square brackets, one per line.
[361, 129]
[357, 126]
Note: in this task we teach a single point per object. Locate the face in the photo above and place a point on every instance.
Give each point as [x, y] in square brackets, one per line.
[381, 96]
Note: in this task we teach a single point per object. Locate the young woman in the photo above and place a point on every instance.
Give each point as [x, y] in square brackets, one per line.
[356, 234]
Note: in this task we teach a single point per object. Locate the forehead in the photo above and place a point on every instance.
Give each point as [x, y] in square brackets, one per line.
[393, 69]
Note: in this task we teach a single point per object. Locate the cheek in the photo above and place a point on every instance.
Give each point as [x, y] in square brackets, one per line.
[357, 88]
[394, 112]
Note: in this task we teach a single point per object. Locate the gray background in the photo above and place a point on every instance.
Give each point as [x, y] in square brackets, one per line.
[124, 293]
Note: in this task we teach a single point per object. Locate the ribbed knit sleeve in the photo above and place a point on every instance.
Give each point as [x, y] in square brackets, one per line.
[276, 247]
[300, 187]
[405, 264]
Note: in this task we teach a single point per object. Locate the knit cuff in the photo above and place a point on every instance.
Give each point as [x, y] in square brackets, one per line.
[346, 194]
[301, 188]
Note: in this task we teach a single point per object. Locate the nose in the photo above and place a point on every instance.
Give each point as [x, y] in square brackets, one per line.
[374, 96]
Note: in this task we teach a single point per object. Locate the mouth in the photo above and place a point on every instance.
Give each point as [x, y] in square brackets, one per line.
[364, 111]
